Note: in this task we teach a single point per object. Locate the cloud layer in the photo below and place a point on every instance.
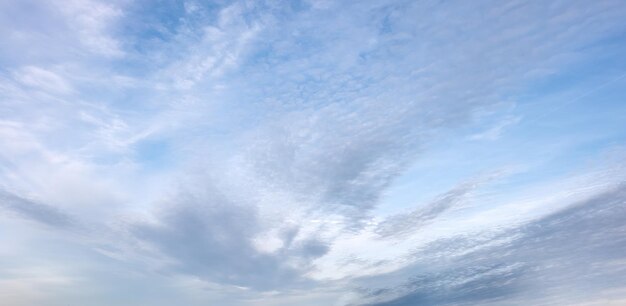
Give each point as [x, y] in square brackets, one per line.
[312, 152]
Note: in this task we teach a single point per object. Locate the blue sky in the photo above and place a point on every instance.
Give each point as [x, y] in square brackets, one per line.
[312, 152]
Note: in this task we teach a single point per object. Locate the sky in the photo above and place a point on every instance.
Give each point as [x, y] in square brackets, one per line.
[312, 152]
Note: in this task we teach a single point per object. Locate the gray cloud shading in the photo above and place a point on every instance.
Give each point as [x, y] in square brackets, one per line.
[561, 258]
[28, 209]
[334, 158]
[350, 120]
[398, 225]
[213, 240]
[347, 126]
[313, 112]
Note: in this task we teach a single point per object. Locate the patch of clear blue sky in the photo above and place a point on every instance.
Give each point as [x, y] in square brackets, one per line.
[567, 119]
[154, 154]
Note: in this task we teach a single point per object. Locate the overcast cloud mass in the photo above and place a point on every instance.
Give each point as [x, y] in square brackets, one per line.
[312, 152]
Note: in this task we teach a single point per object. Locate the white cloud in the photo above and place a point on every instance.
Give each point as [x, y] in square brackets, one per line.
[496, 131]
[46, 80]
[236, 153]
[92, 20]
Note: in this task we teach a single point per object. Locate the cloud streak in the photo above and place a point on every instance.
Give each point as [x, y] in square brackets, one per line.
[578, 249]
[402, 224]
[41, 213]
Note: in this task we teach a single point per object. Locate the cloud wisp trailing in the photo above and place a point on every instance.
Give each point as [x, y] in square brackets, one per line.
[563, 258]
[45, 214]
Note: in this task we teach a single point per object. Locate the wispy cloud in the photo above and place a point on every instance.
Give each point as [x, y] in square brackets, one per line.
[401, 224]
[555, 259]
[496, 131]
[45, 214]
